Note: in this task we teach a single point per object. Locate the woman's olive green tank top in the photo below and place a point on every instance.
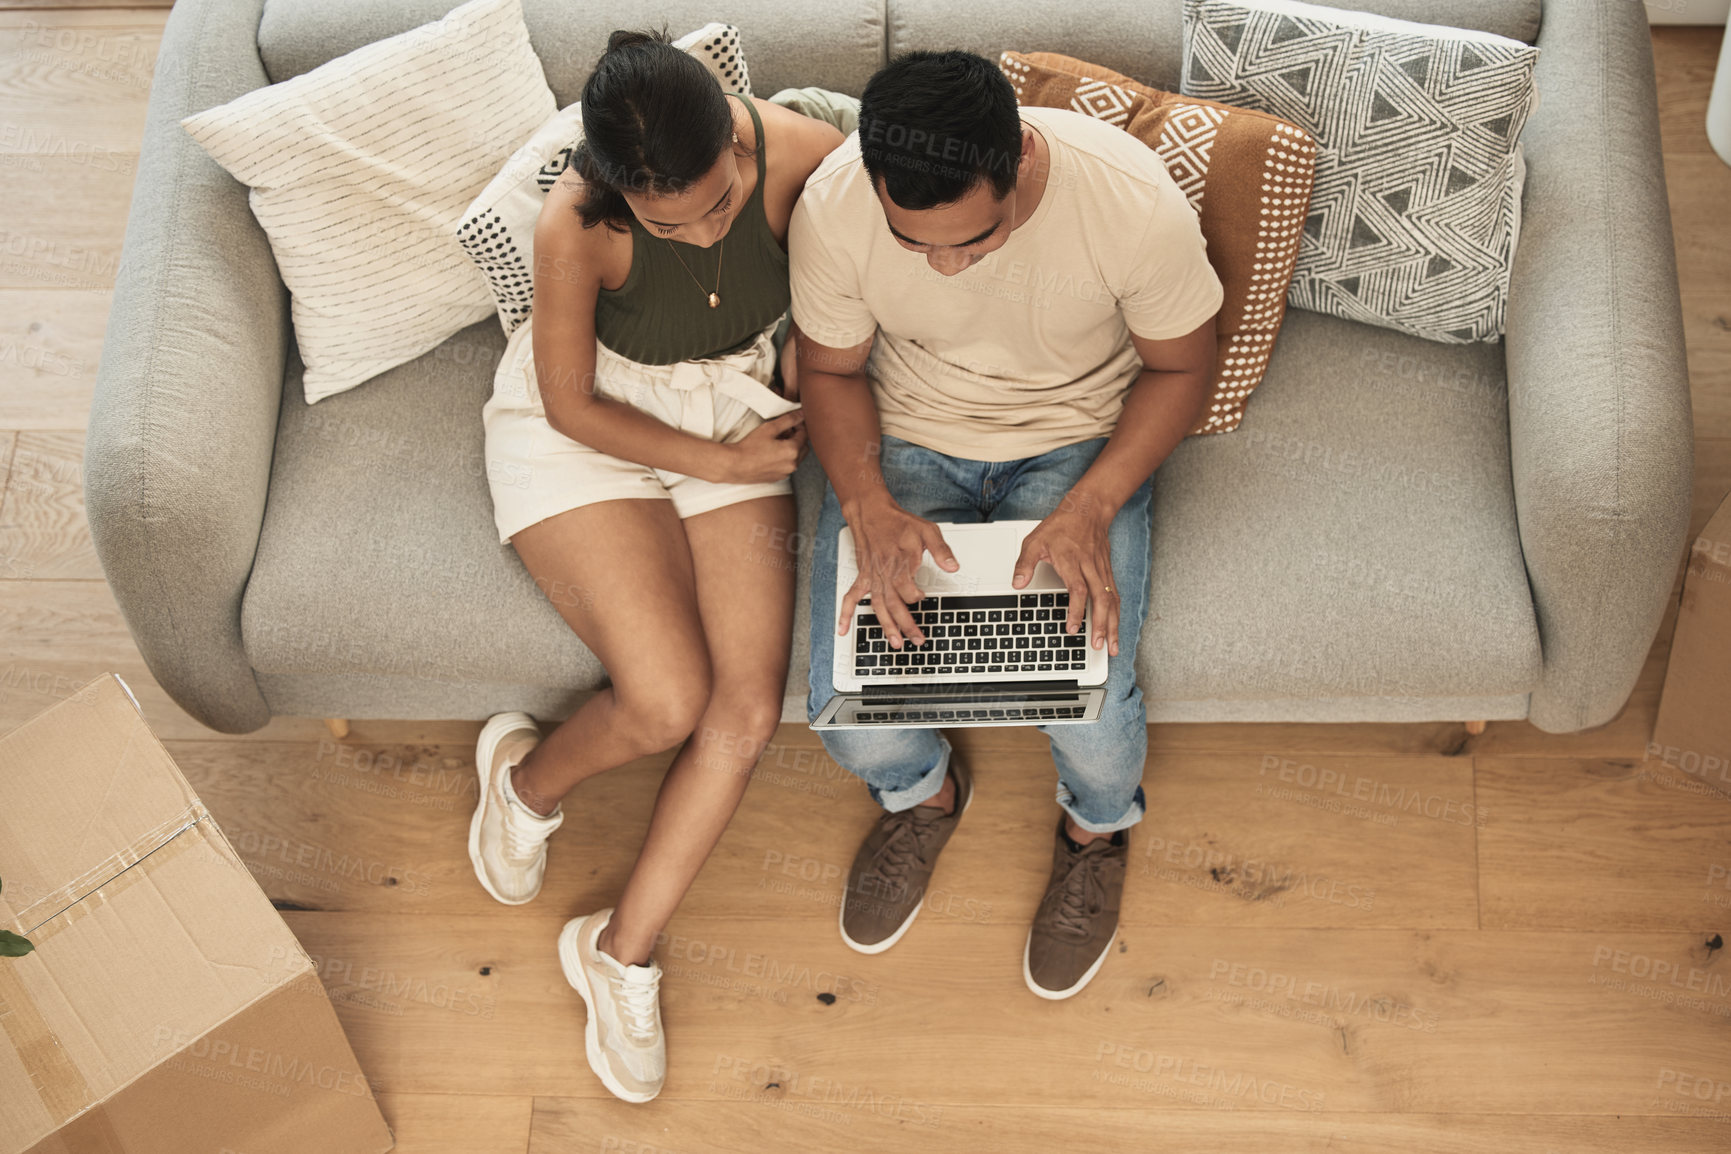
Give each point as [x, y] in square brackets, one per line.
[661, 314]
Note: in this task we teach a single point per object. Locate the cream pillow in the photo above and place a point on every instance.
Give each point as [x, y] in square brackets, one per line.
[359, 171]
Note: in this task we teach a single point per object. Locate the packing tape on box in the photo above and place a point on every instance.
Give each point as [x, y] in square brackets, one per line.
[48, 906]
[58, 1081]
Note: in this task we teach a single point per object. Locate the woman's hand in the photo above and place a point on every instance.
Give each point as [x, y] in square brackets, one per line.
[769, 452]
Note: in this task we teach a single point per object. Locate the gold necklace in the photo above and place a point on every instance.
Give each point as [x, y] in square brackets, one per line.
[720, 252]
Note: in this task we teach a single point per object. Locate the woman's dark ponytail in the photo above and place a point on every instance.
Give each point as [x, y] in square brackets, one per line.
[654, 120]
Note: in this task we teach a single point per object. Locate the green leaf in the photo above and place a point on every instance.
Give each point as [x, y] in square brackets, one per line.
[13, 946]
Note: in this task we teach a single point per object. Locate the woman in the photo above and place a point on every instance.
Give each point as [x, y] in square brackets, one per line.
[639, 462]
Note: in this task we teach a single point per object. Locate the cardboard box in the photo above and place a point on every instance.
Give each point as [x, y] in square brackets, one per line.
[1693, 731]
[166, 1009]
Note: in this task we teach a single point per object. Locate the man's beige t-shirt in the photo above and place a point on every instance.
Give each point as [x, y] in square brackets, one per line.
[1029, 349]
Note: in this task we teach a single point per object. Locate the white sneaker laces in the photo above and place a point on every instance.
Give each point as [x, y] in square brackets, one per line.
[638, 1000]
[522, 844]
[523, 836]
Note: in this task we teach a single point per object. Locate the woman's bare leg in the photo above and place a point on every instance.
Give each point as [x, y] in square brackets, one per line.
[744, 567]
[620, 573]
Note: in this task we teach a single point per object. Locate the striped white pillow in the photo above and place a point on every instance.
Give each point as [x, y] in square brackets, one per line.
[360, 170]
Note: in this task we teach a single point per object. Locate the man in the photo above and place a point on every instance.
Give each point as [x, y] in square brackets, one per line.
[1001, 314]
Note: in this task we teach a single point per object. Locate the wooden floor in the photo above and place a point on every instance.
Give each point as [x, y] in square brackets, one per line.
[1515, 945]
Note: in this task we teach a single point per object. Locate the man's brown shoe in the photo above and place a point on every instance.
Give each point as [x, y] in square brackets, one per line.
[1078, 918]
[887, 883]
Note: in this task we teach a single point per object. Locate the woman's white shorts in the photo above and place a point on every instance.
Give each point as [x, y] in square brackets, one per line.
[536, 472]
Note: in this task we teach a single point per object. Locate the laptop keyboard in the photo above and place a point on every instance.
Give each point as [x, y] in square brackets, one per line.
[991, 633]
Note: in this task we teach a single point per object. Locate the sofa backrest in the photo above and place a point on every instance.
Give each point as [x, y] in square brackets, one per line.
[1143, 39]
[834, 44]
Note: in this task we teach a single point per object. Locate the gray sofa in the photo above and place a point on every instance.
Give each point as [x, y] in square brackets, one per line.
[1401, 530]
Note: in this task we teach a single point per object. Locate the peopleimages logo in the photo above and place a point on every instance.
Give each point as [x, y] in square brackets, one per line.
[1658, 970]
[752, 1078]
[766, 968]
[1368, 789]
[1706, 766]
[1276, 987]
[1254, 879]
[269, 1064]
[1235, 1087]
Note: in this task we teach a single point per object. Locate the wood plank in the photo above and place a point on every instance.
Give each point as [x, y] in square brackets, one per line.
[11, 565]
[1684, 59]
[64, 225]
[51, 341]
[800, 1119]
[50, 344]
[1231, 840]
[1698, 185]
[76, 84]
[1364, 1020]
[55, 637]
[1712, 482]
[42, 523]
[1615, 844]
[1707, 333]
[458, 1123]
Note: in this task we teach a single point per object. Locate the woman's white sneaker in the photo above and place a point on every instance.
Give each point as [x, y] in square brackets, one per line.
[507, 839]
[623, 1037]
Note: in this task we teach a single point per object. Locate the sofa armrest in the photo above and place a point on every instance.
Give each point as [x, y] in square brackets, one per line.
[1599, 420]
[183, 424]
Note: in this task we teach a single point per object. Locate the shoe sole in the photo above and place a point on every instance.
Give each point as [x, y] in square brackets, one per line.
[496, 728]
[880, 947]
[578, 979]
[1060, 995]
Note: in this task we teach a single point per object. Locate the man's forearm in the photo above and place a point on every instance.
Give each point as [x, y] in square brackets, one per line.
[841, 421]
[1160, 410]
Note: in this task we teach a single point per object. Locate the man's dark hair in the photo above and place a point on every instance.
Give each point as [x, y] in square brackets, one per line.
[654, 121]
[932, 125]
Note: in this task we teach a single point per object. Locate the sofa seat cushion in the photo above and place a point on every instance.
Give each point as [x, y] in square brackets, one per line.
[1354, 537]
[1300, 556]
[838, 45]
[378, 555]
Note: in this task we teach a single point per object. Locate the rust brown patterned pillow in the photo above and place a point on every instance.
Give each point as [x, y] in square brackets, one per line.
[1248, 176]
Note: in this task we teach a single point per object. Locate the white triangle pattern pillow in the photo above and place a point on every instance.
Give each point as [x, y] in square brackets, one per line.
[359, 171]
[1416, 210]
[498, 229]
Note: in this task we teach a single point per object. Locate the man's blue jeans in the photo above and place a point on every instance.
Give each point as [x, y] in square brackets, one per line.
[1099, 763]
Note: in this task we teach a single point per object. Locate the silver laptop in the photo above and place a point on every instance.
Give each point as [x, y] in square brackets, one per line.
[993, 655]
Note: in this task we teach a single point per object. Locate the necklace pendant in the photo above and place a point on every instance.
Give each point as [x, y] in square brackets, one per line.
[714, 301]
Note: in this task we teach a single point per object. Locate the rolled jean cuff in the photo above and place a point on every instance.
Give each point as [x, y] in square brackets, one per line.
[922, 790]
[1137, 810]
